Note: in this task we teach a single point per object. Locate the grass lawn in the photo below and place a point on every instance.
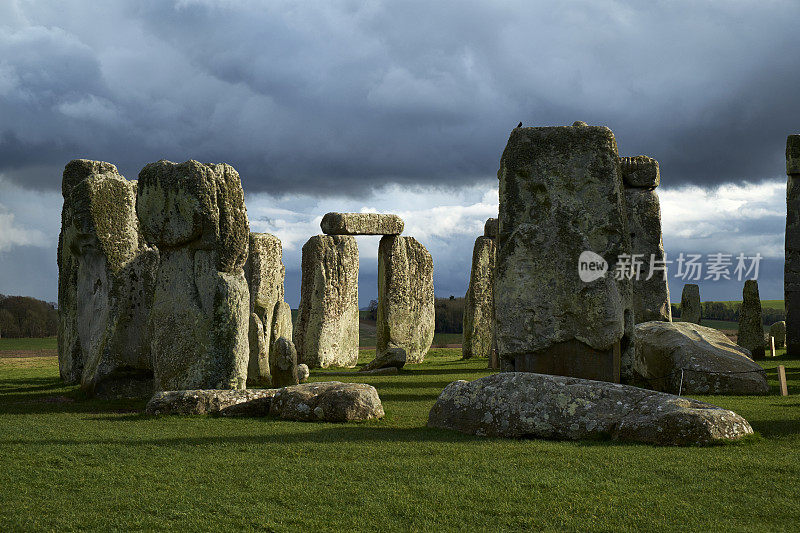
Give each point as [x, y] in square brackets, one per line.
[69, 463]
[43, 343]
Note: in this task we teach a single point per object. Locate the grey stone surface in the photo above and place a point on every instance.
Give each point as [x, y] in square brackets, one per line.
[303, 372]
[405, 298]
[326, 331]
[561, 195]
[751, 328]
[650, 296]
[691, 309]
[265, 273]
[640, 171]
[284, 371]
[478, 318]
[200, 315]
[106, 280]
[281, 327]
[225, 402]
[361, 224]
[521, 405]
[791, 268]
[778, 332]
[329, 401]
[491, 228]
[711, 363]
[395, 357]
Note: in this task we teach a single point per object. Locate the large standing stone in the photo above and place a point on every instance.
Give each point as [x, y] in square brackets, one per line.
[361, 224]
[778, 332]
[405, 298]
[479, 305]
[518, 405]
[691, 359]
[285, 368]
[791, 268]
[650, 296]
[691, 309]
[561, 195]
[108, 281]
[751, 329]
[265, 273]
[199, 322]
[326, 333]
[281, 327]
[491, 228]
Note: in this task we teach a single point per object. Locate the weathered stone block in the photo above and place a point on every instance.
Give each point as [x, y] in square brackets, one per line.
[650, 296]
[751, 329]
[491, 228]
[326, 333]
[265, 273]
[200, 315]
[328, 401]
[690, 304]
[405, 298]
[640, 171]
[793, 154]
[361, 224]
[560, 195]
[778, 332]
[791, 272]
[478, 319]
[285, 368]
[225, 402]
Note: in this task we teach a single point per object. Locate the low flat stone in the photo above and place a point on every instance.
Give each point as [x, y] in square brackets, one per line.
[329, 401]
[394, 357]
[711, 363]
[361, 224]
[523, 405]
[227, 402]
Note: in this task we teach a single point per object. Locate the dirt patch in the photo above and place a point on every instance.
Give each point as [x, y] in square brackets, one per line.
[15, 354]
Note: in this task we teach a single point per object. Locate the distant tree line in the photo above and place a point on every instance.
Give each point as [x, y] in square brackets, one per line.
[730, 311]
[449, 315]
[21, 316]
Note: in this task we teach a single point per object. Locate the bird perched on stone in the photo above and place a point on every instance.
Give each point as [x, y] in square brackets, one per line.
[519, 125]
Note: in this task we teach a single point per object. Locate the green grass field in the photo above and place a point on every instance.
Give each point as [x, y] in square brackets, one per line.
[44, 343]
[76, 464]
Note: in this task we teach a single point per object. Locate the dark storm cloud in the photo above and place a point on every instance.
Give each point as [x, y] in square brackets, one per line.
[323, 97]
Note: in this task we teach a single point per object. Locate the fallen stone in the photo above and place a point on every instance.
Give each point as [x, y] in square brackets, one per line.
[711, 363]
[478, 318]
[284, 372]
[751, 329]
[391, 357]
[561, 195]
[200, 314]
[226, 402]
[526, 405]
[361, 224]
[690, 304]
[778, 332]
[326, 331]
[303, 372]
[405, 298]
[329, 401]
[640, 171]
[650, 296]
[491, 228]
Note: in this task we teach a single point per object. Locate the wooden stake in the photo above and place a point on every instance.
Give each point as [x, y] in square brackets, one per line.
[772, 345]
[782, 380]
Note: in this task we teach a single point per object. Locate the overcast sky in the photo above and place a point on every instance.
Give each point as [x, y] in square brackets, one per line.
[399, 107]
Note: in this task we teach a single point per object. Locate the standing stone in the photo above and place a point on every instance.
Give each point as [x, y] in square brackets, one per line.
[265, 273]
[285, 369]
[405, 298]
[650, 296]
[361, 224]
[791, 272]
[326, 333]
[281, 327]
[490, 228]
[778, 332]
[106, 310]
[751, 330]
[691, 309]
[479, 306]
[199, 322]
[561, 194]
